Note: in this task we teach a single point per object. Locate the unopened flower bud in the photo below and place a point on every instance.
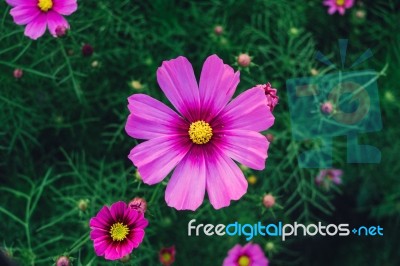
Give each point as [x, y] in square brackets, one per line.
[138, 204]
[270, 137]
[18, 73]
[125, 258]
[269, 201]
[61, 31]
[87, 50]
[63, 261]
[83, 204]
[244, 60]
[327, 108]
[135, 84]
[252, 180]
[218, 30]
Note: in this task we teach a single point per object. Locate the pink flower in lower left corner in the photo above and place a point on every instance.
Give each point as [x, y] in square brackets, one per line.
[38, 15]
[200, 141]
[117, 230]
[248, 255]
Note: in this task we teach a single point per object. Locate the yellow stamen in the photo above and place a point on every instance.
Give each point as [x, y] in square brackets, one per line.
[45, 5]
[119, 231]
[200, 132]
[340, 2]
[244, 261]
[166, 257]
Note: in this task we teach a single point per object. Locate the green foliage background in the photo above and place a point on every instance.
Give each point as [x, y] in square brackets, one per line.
[62, 133]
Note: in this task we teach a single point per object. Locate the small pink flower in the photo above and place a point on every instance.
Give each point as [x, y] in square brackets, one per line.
[244, 60]
[327, 107]
[167, 256]
[269, 200]
[338, 5]
[270, 93]
[117, 230]
[138, 204]
[248, 255]
[218, 30]
[328, 176]
[38, 15]
[18, 73]
[63, 261]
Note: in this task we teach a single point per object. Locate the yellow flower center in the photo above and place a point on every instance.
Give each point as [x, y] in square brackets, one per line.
[166, 257]
[45, 5]
[340, 2]
[243, 261]
[119, 231]
[200, 132]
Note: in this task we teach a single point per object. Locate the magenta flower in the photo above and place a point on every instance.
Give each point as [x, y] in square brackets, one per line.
[328, 176]
[37, 15]
[248, 255]
[117, 230]
[338, 5]
[203, 138]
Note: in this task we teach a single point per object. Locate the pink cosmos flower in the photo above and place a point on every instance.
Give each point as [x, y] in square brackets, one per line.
[328, 176]
[37, 15]
[203, 138]
[338, 5]
[248, 255]
[117, 230]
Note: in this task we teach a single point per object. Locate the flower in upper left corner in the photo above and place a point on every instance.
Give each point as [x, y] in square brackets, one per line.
[117, 230]
[38, 15]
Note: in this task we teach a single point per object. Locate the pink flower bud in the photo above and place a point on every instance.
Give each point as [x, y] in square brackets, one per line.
[218, 30]
[327, 108]
[87, 50]
[270, 93]
[18, 73]
[270, 137]
[61, 31]
[269, 201]
[63, 261]
[244, 60]
[138, 204]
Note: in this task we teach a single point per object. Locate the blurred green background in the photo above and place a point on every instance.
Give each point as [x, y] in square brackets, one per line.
[62, 135]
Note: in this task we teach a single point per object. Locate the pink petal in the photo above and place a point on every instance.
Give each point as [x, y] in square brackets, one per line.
[341, 10]
[118, 210]
[22, 2]
[348, 3]
[225, 180]
[100, 247]
[65, 7]
[36, 27]
[156, 158]
[176, 79]
[247, 111]
[217, 85]
[186, 188]
[55, 20]
[141, 222]
[138, 236]
[332, 10]
[150, 118]
[247, 147]
[112, 253]
[99, 235]
[102, 220]
[24, 14]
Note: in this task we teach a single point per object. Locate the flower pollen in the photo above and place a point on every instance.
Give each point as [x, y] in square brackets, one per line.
[119, 231]
[244, 261]
[45, 5]
[200, 132]
[340, 2]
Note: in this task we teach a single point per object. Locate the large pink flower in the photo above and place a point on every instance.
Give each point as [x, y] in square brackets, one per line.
[117, 230]
[37, 15]
[203, 138]
[248, 255]
[338, 5]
